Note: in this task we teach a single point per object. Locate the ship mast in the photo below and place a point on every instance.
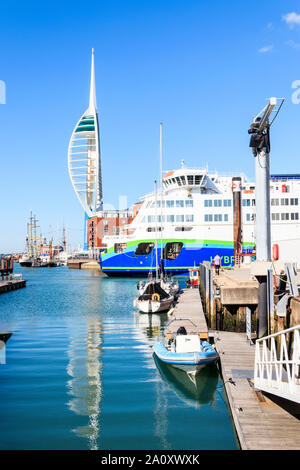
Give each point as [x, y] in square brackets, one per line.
[156, 254]
[161, 199]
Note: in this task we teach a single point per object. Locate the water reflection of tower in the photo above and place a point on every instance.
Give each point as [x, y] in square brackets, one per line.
[150, 328]
[85, 384]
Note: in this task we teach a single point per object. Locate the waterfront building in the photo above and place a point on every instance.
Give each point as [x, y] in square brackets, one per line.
[106, 223]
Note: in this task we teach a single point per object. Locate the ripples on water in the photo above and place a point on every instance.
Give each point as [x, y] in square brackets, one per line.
[80, 373]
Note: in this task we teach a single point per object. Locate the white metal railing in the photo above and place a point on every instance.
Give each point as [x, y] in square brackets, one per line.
[277, 366]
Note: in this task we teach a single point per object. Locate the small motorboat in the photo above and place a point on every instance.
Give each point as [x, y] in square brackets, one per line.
[153, 298]
[185, 351]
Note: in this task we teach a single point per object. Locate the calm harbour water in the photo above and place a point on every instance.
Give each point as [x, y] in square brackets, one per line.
[80, 374]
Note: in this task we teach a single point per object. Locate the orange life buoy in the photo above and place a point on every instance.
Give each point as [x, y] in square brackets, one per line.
[275, 252]
[156, 297]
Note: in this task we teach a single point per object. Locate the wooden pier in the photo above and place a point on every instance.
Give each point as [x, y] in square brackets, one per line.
[6, 286]
[261, 421]
[189, 306]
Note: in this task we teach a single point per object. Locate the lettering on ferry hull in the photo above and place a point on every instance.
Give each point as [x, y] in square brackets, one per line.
[225, 260]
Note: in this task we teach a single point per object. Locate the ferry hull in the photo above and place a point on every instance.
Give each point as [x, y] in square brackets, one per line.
[128, 264]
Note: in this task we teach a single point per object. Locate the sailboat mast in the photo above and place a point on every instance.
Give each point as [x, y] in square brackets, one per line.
[161, 197]
[156, 254]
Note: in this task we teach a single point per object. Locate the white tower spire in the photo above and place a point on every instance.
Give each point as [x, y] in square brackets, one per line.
[93, 103]
[84, 155]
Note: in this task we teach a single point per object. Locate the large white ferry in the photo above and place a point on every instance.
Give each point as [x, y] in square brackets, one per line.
[191, 220]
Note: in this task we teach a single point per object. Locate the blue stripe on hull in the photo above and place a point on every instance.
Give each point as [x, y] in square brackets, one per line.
[129, 264]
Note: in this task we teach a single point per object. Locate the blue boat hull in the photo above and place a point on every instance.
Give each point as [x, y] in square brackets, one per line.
[186, 361]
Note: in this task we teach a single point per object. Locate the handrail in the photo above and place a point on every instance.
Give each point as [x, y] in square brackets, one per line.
[277, 364]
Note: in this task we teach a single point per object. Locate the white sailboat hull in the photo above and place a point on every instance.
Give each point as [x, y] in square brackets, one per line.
[153, 306]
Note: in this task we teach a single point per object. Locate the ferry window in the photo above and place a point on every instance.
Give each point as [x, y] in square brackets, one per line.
[198, 179]
[183, 229]
[170, 203]
[189, 203]
[227, 202]
[284, 202]
[170, 218]
[179, 203]
[248, 217]
[217, 203]
[172, 250]
[295, 216]
[183, 180]
[119, 247]
[154, 229]
[189, 218]
[275, 216]
[151, 219]
[179, 218]
[144, 248]
[161, 218]
[284, 216]
[190, 179]
[178, 181]
[208, 218]
[294, 202]
[225, 217]
[217, 217]
[173, 180]
[253, 202]
[274, 202]
[207, 203]
[246, 202]
[143, 220]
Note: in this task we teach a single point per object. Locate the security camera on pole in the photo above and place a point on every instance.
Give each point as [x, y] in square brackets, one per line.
[260, 144]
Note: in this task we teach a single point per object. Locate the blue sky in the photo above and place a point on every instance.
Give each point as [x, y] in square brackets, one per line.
[202, 68]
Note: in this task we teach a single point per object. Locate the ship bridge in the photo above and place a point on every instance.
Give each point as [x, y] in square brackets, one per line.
[190, 179]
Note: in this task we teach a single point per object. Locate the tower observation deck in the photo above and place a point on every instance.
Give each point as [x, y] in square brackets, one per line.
[84, 161]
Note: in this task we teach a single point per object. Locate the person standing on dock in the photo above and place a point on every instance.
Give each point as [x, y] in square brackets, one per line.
[217, 263]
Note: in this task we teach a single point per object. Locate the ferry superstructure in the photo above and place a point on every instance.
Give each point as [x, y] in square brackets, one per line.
[191, 220]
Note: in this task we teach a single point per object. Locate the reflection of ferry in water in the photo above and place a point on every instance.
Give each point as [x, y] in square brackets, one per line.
[192, 220]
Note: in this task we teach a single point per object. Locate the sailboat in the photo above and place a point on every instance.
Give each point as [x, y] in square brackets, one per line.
[152, 296]
[27, 258]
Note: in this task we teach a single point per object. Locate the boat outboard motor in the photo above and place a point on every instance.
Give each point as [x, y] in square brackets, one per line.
[181, 331]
